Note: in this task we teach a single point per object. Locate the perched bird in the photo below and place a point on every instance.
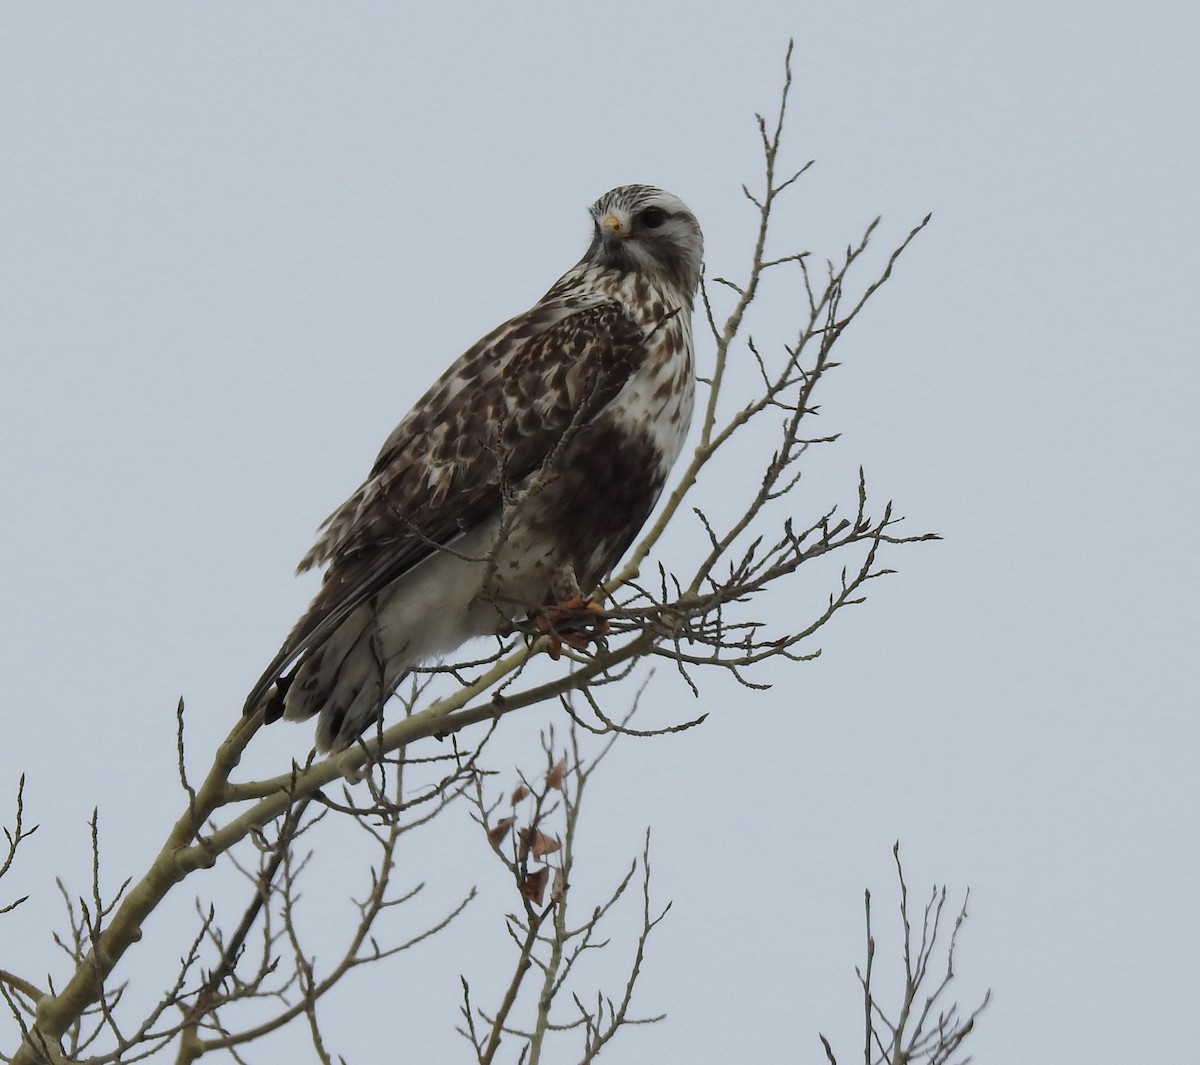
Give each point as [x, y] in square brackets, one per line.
[515, 483]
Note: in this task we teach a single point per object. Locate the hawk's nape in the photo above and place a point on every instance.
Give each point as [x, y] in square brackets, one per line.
[529, 466]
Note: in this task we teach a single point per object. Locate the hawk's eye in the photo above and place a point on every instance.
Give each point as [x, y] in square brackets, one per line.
[652, 217]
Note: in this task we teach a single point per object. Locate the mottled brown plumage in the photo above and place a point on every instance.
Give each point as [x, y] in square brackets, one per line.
[541, 450]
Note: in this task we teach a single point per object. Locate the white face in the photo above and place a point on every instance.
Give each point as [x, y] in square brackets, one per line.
[647, 230]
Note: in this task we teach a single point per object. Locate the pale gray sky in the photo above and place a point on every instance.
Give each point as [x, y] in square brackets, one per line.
[236, 242]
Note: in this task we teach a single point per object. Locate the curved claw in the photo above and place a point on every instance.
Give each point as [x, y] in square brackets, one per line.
[574, 622]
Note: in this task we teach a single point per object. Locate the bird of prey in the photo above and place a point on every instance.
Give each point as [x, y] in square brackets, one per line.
[515, 483]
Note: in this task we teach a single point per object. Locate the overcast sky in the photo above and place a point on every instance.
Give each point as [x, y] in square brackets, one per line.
[238, 241]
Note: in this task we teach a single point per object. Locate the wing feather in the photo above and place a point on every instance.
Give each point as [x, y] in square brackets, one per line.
[491, 420]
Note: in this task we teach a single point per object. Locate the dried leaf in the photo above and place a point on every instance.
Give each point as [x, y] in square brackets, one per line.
[519, 794]
[533, 886]
[499, 831]
[543, 845]
[536, 843]
[554, 779]
[558, 889]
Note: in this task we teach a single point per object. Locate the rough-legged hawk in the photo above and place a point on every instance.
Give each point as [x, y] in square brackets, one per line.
[516, 482]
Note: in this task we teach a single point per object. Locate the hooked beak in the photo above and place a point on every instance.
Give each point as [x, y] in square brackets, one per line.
[613, 228]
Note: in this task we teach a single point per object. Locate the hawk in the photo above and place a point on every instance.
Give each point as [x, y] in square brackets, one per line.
[515, 483]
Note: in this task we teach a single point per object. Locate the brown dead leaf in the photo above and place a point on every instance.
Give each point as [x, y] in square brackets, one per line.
[499, 832]
[558, 889]
[533, 886]
[537, 843]
[554, 779]
[543, 845]
[520, 793]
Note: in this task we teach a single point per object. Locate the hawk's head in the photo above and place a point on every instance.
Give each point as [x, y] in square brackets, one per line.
[645, 230]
